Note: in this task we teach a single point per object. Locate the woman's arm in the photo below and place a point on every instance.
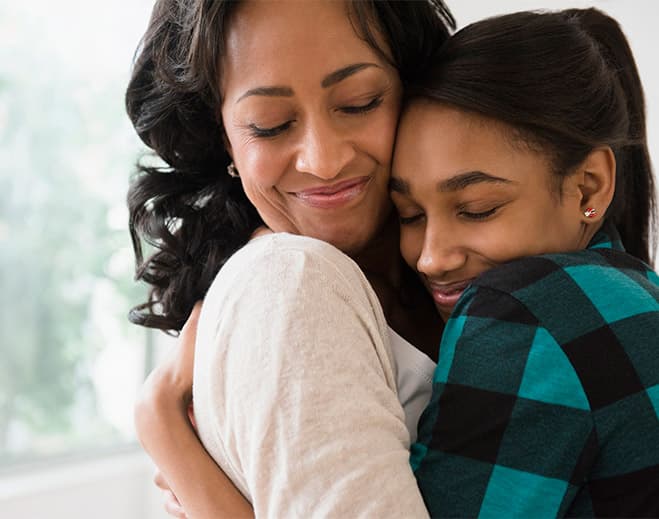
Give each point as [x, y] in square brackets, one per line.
[167, 435]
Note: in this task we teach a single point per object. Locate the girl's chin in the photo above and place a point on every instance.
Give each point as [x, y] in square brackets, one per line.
[443, 313]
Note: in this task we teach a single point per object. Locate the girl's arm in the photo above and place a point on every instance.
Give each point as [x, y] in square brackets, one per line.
[168, 436]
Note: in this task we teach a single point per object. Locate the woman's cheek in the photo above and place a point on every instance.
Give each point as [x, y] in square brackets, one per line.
[262, 164]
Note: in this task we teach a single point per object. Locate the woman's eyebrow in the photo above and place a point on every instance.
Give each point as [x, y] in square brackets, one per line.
[331, 79]
[341, 74]
[269, 91]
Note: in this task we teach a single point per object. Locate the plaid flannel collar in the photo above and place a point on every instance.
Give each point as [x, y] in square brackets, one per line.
[606, 238]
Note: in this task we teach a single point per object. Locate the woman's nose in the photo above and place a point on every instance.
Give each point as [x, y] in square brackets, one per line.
[324, 150]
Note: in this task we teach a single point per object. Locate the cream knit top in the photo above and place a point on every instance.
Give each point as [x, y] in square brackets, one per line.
[296, 385]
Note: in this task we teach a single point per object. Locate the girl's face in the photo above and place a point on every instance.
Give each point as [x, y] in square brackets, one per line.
[310, 113]
[470, 199]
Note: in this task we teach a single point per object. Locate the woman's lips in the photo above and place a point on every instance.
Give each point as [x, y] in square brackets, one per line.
[335, 195]
[447, 295]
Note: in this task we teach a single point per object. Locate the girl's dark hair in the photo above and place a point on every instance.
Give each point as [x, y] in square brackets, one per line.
[190, 211]
[567, 83]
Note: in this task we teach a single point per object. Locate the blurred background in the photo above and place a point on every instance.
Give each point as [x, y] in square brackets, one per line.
[70, 363]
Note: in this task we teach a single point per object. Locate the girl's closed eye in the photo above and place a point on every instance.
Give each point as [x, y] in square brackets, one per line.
[478, 215]
[410, 219]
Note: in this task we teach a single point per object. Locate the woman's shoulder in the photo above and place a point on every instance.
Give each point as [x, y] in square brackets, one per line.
[273, 249]
[279, 258]
[282, 268]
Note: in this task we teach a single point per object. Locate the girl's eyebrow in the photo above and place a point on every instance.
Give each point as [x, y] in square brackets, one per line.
[455, 183]
[399, 186]
[463, 180]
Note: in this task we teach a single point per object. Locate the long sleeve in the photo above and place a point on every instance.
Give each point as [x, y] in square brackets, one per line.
[294, 386]
[543, 400]
[508, 419]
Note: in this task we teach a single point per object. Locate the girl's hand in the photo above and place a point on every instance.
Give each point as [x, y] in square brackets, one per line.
[172, 505]
[194, 485]
[170, 381]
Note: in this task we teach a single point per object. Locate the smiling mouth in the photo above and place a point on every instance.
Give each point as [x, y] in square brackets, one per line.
[446, 296]
[335, 195]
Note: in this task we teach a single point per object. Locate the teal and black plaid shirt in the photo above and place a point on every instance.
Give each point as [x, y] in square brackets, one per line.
[546, 395]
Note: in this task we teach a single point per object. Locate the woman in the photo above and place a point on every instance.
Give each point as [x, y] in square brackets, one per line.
[298, 103]
[482, 164]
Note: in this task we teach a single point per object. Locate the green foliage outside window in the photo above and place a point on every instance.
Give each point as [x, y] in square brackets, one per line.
[69, 359]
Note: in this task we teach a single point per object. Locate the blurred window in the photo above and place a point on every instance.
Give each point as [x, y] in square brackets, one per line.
[70, 363]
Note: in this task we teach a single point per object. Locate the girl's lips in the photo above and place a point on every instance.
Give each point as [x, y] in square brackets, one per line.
[336, 195]
[447, 295]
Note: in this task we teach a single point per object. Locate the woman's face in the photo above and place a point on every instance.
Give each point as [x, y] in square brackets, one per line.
[469, 199]
[310, 113]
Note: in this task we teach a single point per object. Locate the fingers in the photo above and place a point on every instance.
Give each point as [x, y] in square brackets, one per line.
[171, 503]
[172, 506]
[160, 480]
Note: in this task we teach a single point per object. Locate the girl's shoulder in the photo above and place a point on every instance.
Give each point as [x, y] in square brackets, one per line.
[595, 296]
[599, 274]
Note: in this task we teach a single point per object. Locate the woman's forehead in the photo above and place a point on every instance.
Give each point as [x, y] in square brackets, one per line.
[271, 43]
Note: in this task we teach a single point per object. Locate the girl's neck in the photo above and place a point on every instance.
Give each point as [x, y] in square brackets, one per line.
[381, 257]
[407, 306]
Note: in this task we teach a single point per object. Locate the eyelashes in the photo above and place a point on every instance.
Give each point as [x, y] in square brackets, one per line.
[360, 109]
[469, 215]
[409, 220]
[265, 133]
[479, 216]
[257, 131]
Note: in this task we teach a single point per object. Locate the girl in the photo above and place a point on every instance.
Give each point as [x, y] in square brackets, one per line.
[521, 175]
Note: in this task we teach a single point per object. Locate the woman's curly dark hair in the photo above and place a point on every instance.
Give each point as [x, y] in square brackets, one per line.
[189, 211]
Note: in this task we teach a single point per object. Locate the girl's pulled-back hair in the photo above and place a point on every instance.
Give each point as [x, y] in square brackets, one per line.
[189, 210]
[566, 83]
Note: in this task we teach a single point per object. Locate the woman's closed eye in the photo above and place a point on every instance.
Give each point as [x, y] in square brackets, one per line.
[360, 109]
[266, 132]
[258, 131]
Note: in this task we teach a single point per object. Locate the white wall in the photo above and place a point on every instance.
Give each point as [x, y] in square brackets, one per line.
[112, 487]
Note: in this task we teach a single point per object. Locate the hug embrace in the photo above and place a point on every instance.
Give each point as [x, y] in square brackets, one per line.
[424, 260]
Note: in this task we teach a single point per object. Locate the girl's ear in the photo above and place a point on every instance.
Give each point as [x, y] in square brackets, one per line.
[596, 183]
